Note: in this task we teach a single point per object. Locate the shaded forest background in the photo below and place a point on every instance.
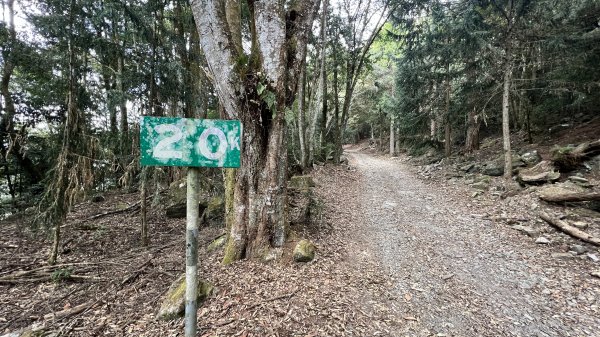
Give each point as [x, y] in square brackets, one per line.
[411, 75]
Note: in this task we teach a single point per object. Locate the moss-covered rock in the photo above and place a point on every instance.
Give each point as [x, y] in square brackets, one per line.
[177, 192]
[97, 198]
[304, 251]
[121, 205]
[273, 254]
[481, 186]
[173, 302]
[493, 168]
[215, 210]
[531, 158]
[217, 243]
[301, 182]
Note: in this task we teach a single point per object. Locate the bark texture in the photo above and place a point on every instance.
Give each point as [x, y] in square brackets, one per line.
[256, 88]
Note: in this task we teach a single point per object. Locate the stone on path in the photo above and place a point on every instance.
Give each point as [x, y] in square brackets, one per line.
[527, 230]
[542, 241]
[562, 255]
[581, 225]
[579, 249]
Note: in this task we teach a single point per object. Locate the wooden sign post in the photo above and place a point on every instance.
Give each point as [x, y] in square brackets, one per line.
[194, 143]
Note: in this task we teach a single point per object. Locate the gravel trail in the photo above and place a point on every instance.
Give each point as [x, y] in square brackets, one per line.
[459, 275]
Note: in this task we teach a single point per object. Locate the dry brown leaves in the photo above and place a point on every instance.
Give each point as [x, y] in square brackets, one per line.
[341, 293]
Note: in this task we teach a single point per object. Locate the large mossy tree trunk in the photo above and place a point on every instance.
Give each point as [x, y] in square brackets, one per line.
[256, 88]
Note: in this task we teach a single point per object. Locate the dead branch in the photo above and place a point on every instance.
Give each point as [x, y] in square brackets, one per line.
[48, 277]
[137, 272]
[574, 232]
[69, 312]
[44, 273]
[133, 207]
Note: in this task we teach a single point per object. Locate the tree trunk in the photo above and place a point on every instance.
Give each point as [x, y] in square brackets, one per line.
[447, 127]
[302, 119]
[314, 115]
[392, 138]
[323, 126]
[337, 150]
[62, 189]
[7, 131]
[472, 131]
[398, 138]
[144, 208]
[505, 112]
[123, 125]
[275, 60]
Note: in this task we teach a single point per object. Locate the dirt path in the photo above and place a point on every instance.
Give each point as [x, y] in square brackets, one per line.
[459, 275]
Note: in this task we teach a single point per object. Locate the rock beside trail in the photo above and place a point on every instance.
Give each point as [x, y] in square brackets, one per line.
[217, 243]
[531, 158]
[301, 200]
[176, 201]
[215, 210]
[593, 165]
[542, 241]
[578, 249]
[469, 168]
[480, 185]
[173, 302]
[301, 182]
[543, 172]
[493, 168]
[581, 225]
[562, 255]
[179, 211]
[98, 198]
[580, 181]
[527, 230]
[304, 251]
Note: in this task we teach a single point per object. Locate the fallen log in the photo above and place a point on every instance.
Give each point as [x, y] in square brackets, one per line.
[568, 229]
[570, 196]
[570, 158]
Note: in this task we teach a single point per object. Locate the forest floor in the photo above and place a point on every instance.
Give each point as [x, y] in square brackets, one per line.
[399, 254]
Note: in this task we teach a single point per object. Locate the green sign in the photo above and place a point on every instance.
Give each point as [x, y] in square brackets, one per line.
[169, 141]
